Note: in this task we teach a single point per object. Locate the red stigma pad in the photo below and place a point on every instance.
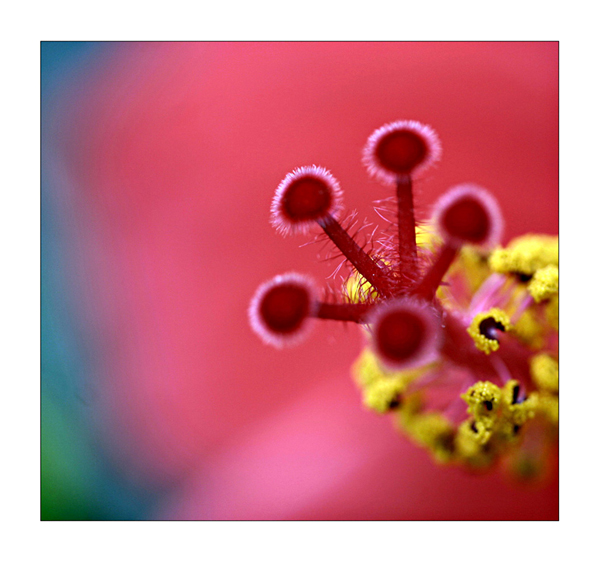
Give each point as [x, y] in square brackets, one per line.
[468, 214]
[284, 307]
[399, 335]
[401, 151]
[405, 333]
[468, 220]
[306, 198]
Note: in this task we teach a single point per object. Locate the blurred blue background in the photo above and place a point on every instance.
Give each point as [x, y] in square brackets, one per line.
[78, 480]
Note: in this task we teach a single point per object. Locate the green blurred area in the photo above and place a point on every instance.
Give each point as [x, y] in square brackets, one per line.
[66, 470]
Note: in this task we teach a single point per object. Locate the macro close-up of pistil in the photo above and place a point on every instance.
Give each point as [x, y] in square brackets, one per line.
[461, 333]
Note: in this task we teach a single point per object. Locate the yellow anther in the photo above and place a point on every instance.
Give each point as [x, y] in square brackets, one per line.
[481, 431]
[517, 414]
[526, 254]
[472, 445]
[544, 372]
[468, 438]
[483, 399]
[381, 388]
[358, 289]
[544, 283]
[433, 431]
[484, 326]
[384, 394]
[510, 392]
[366, 369]
[514, 412]
[490, 431]
[426, 237]
[547, 405]
[412, 406]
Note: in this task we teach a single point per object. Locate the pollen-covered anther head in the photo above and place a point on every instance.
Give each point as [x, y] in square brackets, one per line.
[280, 309]
[485, 328]
[306, 195]
[402, 148]
[405, 333]
[468, 214]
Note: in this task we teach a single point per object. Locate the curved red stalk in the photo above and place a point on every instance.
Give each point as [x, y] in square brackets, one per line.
[407, 243]
[427, 287]
[345, 312]
[356, 255]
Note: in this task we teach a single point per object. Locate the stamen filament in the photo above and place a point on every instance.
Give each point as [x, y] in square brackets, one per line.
[363, 263]
[426, 380]
[486, 293]
[501, 369]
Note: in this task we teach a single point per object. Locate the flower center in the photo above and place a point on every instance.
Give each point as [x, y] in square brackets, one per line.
[307, 199]
[401, 151]
[284, 307]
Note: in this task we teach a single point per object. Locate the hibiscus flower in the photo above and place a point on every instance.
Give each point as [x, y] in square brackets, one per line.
[160, 162]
